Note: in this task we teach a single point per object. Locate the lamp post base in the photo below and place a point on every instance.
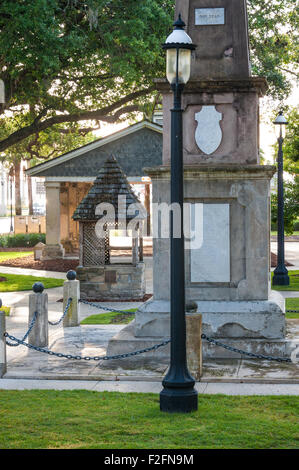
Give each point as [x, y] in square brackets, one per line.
[280, 279]
[178, 400]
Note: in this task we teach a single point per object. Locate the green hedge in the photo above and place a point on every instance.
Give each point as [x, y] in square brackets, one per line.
[296, 227]
[22, 240]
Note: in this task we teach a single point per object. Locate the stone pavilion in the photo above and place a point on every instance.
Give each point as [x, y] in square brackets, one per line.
[111, 203]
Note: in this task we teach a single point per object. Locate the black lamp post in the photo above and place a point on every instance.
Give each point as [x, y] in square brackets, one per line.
[280, 277]
[178, 394]
[11, 224]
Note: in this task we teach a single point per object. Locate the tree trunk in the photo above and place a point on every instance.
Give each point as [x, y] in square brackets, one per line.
[30, 199]
[18, 201]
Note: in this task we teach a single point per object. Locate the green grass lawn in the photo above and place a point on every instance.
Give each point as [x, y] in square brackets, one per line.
[5, 255]
[294, 282]
[110, 318]
[292, 304]
[48, 419]
[18, 282]
[294, 233]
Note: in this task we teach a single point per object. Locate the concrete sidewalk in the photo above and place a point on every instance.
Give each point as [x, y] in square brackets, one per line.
[148, 387]
[31, 369]
[32, 272]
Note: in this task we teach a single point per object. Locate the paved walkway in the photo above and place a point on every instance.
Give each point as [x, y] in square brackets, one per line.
[148, 387]
[92, 340]
[291, 252]
[32, 272]
[239, 376]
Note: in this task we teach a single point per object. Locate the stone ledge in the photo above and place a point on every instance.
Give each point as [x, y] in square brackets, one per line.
[220, 171]
[229, 319]
[252, 84]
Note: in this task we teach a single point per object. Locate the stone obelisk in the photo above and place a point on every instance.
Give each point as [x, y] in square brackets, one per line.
[228, 266]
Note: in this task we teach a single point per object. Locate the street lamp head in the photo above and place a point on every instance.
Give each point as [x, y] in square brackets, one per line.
[179, 47]
[282, 123]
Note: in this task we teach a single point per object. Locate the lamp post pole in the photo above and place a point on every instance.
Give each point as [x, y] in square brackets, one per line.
[281, 277]
[178, 394]
[11, 224]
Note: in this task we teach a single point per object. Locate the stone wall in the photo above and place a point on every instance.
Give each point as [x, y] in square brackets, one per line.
[111, 282]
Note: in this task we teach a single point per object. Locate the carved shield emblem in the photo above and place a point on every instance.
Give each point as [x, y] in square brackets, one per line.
[208, 134]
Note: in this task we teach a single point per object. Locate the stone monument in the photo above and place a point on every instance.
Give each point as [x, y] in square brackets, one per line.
[228, 274]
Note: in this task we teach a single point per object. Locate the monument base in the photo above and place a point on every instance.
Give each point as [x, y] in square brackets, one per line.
[253, 326]
[260, 319]
[52, 252]
[125, 341]
[112, 282]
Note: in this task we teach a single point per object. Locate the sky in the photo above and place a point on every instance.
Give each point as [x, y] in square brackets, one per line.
[267, 131]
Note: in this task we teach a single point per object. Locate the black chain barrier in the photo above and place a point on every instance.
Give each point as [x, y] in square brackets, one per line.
[27, 333]
[134, 353]
[100, 307]
[86, 358]
[53, 323]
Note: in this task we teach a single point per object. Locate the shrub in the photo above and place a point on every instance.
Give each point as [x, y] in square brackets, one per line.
[21, 240]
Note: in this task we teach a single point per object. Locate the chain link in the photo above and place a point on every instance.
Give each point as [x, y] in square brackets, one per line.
[28, 331]
[100, 307]
[53, 323]
[86, 358]
[240, 351]
[125, 355]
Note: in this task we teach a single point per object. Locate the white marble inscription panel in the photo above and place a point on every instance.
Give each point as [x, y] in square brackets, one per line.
[211, 262]
[209, 16]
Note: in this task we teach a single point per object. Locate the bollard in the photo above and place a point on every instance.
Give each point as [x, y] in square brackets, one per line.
[71, 289]
[194, 344]
[3, 366]
[38, 302]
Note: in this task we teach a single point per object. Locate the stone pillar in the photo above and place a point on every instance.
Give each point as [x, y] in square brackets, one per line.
[3, 366]
[53, 249]
[147, 205]
[38, 302]
[194, 343]
[3, 201]
[71, 289]
[135, 256]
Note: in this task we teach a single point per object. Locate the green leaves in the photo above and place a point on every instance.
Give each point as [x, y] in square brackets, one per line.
[73, 56]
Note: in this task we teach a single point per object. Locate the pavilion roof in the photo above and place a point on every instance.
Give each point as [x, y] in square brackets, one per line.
[110, 184]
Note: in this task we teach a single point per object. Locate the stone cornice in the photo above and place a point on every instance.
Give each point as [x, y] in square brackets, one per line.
[215, 172]
[253, 84]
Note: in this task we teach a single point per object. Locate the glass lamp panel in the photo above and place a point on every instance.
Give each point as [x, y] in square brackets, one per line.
[171, 65]
[280, 130]
[184, 68]
[184, 65]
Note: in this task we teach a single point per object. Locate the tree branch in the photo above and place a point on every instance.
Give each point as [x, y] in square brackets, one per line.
[289, 71]
[98, 115]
